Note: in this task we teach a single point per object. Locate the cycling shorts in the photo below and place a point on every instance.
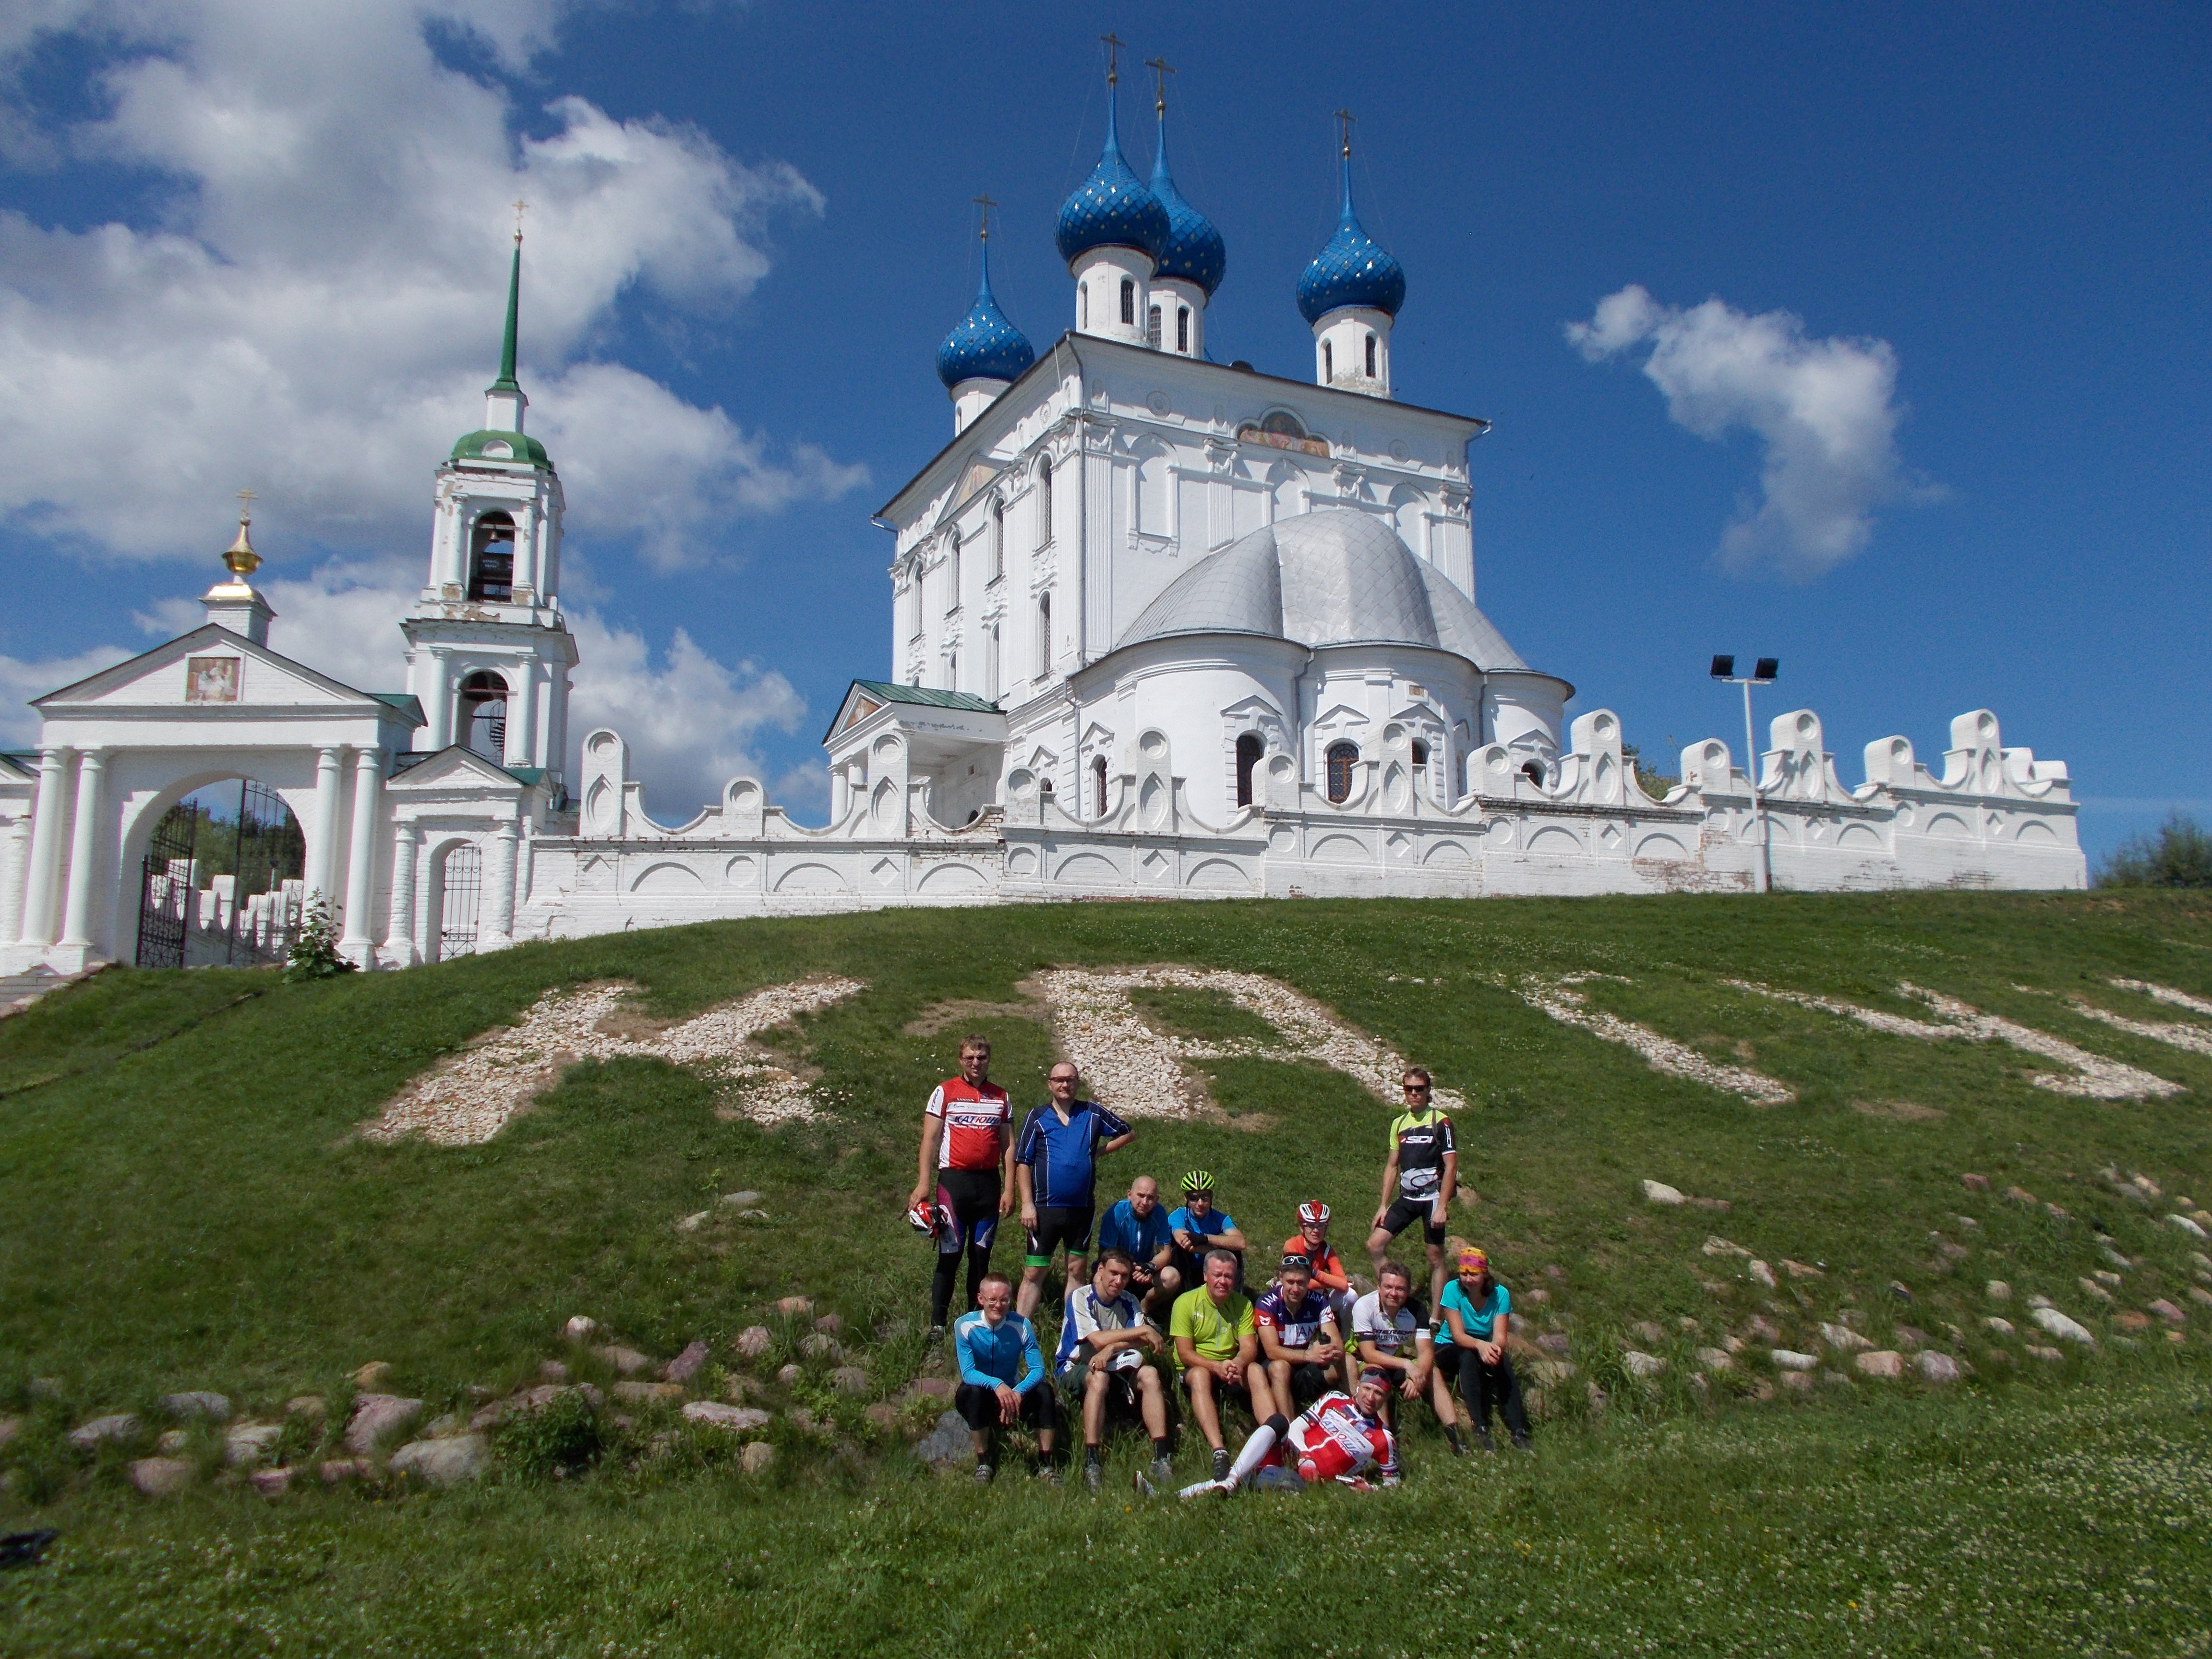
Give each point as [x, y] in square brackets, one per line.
[979, 1407]
[1405, 1212]
[1057, 1227]
[970, 1197]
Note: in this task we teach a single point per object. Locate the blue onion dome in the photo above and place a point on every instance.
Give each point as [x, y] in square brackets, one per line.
[1113, 208]
[1352, 270]
[986, 346]
[1193, 250]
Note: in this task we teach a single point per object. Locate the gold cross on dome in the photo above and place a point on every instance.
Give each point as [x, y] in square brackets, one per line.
[987, 204]
[1113, 45]
[245, 500]
[1161, 69]
[1348, 117]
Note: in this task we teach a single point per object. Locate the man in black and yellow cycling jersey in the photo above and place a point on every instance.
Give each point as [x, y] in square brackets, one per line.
[1419, 1179]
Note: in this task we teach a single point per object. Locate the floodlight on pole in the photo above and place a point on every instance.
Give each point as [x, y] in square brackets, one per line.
[1765, 672]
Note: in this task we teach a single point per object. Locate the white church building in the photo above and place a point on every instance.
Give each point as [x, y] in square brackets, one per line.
[1159, 627]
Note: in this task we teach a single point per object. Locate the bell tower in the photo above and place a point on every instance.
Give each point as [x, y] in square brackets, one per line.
[489, 652]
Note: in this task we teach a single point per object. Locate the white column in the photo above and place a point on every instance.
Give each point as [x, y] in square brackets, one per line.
[499, 883]
[440, 711]
[522, 717]
[400, 936]
[323, 850]
[40, 888]
[360, 856]
[84, 851]
[15, 859]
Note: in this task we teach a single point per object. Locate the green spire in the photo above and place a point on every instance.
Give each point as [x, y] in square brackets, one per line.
[506, 382]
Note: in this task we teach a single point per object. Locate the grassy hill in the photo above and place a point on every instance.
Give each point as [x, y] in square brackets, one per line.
[188, 1205]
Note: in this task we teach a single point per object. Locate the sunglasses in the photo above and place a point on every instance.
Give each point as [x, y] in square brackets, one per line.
[1415, 1088]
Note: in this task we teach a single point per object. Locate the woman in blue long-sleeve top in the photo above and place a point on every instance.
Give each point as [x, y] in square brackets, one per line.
[1002, 1379]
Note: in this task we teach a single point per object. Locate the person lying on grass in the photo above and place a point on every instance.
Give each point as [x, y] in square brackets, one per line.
[1000, 1371]
[1298, 1336]
[1391, 1340]
[1100, 1361]
[1477, 1317]
[1340, 1438]
[1217, 1352]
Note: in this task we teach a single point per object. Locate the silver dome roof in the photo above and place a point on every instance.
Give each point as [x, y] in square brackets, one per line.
[1333, 577]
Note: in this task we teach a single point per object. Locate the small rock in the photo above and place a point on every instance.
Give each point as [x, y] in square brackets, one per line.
[795, 1306]
[741, 1388]
[1553, 1342]
[803, 1420]
[1951, 1252]
[1977, 1183]
[1801, 1381]
[10, 1428]
[755, 1340]
[158, 1477]
[2056, 1213]
[1650, 1333]
[1552, 1270]
[648, 1394]
[1765, 1274]
[1720, 1204]
[1762, 1328]
[2062, 1327]
[2188, 1225]
[2198, 1293]
[248, 1444]
[1936, 1366]
[2002, 1327]
[1697, 1382]
[2091, 1287]
[1551, 1372]
[2052, 1355]
[947, 1444]
[739, 1420]
[1997, 1290]
[2115, 1258]
[2038, 1301]
[373, 1375]
[342, 1468]
[1799, 1270]
[2128, 1319]
[1716, 1359]
[691, 1224]
[1686, 1322]
[1788, 1359]
[375, 1416]
[1637, 1363]
[2020, 1195]
[443, 1463]
[1716, 1245]
[930, 1387]
[1911, 1336]
[849, 1379]
[1515, 1323]
[830, 1323]
[305, 1405]
[118, 1425]
[2168, 1312]
[1882, 1362]
[740, 1201]
[1658, 1192]
[820, 1345]
[172, 1443]
[1999, 1357]
[1734, 1344]
[1843, 1338]
[1537, 1297]
[760, 1456]
[1898, 1289]
[790, 1376]
[201, 1404]
[1596, 1397]
[687, 1365]
[1836, 1379]
[629, 1361]
[579, 1328]
[553, 1371]
[272, 1483]
[884, 1414]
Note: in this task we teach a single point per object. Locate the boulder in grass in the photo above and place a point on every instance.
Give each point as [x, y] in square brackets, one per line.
[1801, 1381]
[849, 1379]
[820, 1345]
[376, 1416]
[790, 1376]
[581, 1329]
[831, 1324]
[552, 1371]
[248, 1444]
[755, 1340]
[2050, 1356]
[648, 1394]
[2128, 1319]
[2168, 1312]
[687, 1365]
[305, 1405]
[1650, 1333]
[173, 1444]
[692, 1223]
[1976, 1183]
[1716, 1359]
[1843, 1338]
[1997, 1290]
[1637, 1363]
[273, 1483]
[199, 1403]
[794, 1306]
[627, 1361]
[1800, 1270]
[337, 1470]
[443, 1463]
[373, 1374]
[2066, 1330]
[947, 1445]
[745, 1201]
[158, 1477]
[2193, 1228]
[1761, 1328]
[1788, 1359]
[1881, 1362]
[117, 1425]
[2002, 1327]
[1935, 1366]
[760, 1456]
[2198, 1293]
[1658, 1192]
[1760, 1271]
[738, 1420]
[932, 1388]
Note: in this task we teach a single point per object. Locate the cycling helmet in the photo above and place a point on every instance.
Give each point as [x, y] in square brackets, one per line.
[1313, 1214]
[1198, 1180]
[923, 1218]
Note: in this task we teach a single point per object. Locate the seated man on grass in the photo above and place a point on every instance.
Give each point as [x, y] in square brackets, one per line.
[1340, 1438]
[1198, 1229]
[1298, 1336]
[1101, 1360]
[1391, 1340]
[1138, 1226]
[1217, 1352]
[1476, 1319]
[1000, 1373]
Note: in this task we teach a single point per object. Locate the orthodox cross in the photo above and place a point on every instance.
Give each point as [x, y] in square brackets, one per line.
[520, 207]
[1161, 69]
[1113, 45]
[1346, 116]
[987, 204]
[245, 500]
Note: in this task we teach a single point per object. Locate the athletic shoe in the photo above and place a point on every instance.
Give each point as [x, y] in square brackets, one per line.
[1220, 1463]
[1047, 1473]
[1521, 1442]
[983, 1475]
[1094, 1475]
[1208, 1489]
[1163, 1471]
[1482, 1441]
[1146, 1488]
[936, 1338]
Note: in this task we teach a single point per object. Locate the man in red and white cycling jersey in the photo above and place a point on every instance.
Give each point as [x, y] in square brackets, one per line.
[1338, 1438]
[968, 1161]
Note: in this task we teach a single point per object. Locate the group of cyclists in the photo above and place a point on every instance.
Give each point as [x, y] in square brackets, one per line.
[1322, 1367]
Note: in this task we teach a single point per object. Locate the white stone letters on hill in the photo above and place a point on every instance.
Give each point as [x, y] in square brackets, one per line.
[1559, 999]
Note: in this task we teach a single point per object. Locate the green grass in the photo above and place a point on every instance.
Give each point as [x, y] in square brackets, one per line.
[186, 1207]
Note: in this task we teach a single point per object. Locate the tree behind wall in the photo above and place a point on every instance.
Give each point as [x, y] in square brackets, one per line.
[2179, 855]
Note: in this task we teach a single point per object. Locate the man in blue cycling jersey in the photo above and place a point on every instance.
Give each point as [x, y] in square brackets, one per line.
[1056, 1171]
[1199, 1229]
[1138, 1226]
[1002, 1379]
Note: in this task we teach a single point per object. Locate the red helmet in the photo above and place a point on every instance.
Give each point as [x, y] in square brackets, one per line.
[923, 1218]
[1313, 1214]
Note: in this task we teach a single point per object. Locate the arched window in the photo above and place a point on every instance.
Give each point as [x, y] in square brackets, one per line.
[1534, 771]
[491, 558]
[998, 538]
[1182, 330]
[483, 715]
[1044, 635]
[1342, 758]
[991, 664]
[1152, 328]
[1098, 786]
[953, 671]
[1044, 504]
[1281, 423]
[1083, 305]
[952, 571]
[1129, 301]
[1328, 361]
[1370, 356]
[1420, 753]
[1249, 750]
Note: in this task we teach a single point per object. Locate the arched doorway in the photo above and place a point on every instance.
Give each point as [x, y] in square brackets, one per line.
[483, 716]
[456, 901]
[221, 885]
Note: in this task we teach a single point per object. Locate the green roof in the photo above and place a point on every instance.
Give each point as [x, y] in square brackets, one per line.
[406, 702]
[921, 696]
[522, 446]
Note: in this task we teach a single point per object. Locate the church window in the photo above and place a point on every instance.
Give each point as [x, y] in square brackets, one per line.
[952, 572]
[460, 897]
[997, 539]
[1370, 356]
[1044, 635]
[1098, 786]
[491, 558]
[1281, 423]
[1182, 330]
[1342, 758]
[1328, 361]
[1152, 328]
[1083, 305]
[1044, 504]
[953, 671]
[991, 664]
[483, 715]
[1129, 301]
[1420, 752]
[912, 598]
[1534, 771]
[1249, 750]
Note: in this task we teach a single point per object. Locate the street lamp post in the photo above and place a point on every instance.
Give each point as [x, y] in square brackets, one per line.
[1763, 673]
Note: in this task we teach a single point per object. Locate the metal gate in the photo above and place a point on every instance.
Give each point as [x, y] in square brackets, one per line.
[164, 889]
[463, 889]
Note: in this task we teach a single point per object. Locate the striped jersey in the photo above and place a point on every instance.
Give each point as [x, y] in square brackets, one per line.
[977, 1118]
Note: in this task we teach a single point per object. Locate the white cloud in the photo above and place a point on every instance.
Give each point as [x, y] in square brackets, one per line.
[20, 681]
[1825, 408]
[318, 308]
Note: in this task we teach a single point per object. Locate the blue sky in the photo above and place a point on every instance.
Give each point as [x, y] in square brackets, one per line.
[247, 243]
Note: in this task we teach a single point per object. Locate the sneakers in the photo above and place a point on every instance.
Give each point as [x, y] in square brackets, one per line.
[1146, 1488]
[1220, 1463]
[1209, 1489]
[1094, 1475]
[936, 1338]
[1482, 1442]
[1521, 1442]
[983, 1473]
[1047, 1474]
[1163, 1471]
